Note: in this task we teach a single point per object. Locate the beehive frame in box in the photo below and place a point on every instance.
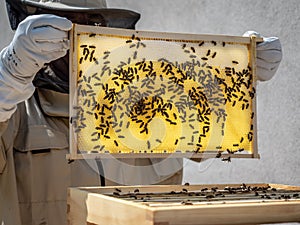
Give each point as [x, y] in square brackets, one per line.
[151, 94]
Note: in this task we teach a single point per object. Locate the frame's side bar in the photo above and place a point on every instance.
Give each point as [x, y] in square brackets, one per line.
[253, 42]
[73, 95]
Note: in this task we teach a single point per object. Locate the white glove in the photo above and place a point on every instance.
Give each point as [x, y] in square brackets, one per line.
[269, 55]
[39, 39]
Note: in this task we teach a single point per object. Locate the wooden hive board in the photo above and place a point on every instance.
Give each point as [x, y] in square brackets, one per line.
[153, 94]
[184, 204]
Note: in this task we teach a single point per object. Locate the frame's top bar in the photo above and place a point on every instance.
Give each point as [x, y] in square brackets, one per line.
[168, 36]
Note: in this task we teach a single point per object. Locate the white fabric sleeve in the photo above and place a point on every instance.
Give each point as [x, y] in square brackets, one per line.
[12, 92]
[269, 56]
[39, 39]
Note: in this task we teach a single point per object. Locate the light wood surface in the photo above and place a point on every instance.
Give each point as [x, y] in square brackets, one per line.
[97, 205]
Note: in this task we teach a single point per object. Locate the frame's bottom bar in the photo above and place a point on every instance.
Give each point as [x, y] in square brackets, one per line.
[224, 157]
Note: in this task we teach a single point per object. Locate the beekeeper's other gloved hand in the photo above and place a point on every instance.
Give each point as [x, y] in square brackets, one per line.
[269, 55]
[39, 39]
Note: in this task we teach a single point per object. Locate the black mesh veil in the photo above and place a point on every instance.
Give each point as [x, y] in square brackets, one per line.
[16, 13]
[55, 75]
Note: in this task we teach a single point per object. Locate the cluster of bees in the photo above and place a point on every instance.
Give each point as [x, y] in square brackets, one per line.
[226, 194]
[133, 93]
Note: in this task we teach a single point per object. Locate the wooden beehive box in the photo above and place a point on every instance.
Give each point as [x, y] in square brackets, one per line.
[184, 204]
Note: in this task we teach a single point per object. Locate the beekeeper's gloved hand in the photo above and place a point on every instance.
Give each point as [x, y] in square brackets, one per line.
[39, 39]
[269, 55]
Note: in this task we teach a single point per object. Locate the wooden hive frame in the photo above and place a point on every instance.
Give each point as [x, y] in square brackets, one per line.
[103, 205]
[81, 52]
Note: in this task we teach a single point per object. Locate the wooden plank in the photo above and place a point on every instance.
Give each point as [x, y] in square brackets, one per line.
[253, 42]
[231, 214]
[99, 208]
[92, 155]
[115, 211]
[77, 207]
[166, 188]
[286, 187]
[179, 188]
[164, 35]
[72, 86]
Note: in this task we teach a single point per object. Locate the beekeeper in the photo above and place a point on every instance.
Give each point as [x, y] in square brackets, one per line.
[34, 171]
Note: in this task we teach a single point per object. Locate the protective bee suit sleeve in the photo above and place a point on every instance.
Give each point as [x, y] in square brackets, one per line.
[269, 56]
[38, 39]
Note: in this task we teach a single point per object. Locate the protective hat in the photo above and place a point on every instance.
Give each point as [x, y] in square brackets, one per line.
[70, 5]
[87, 12]
[54, 75]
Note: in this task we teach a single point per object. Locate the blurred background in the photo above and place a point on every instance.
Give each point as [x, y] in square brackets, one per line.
[278, 100]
